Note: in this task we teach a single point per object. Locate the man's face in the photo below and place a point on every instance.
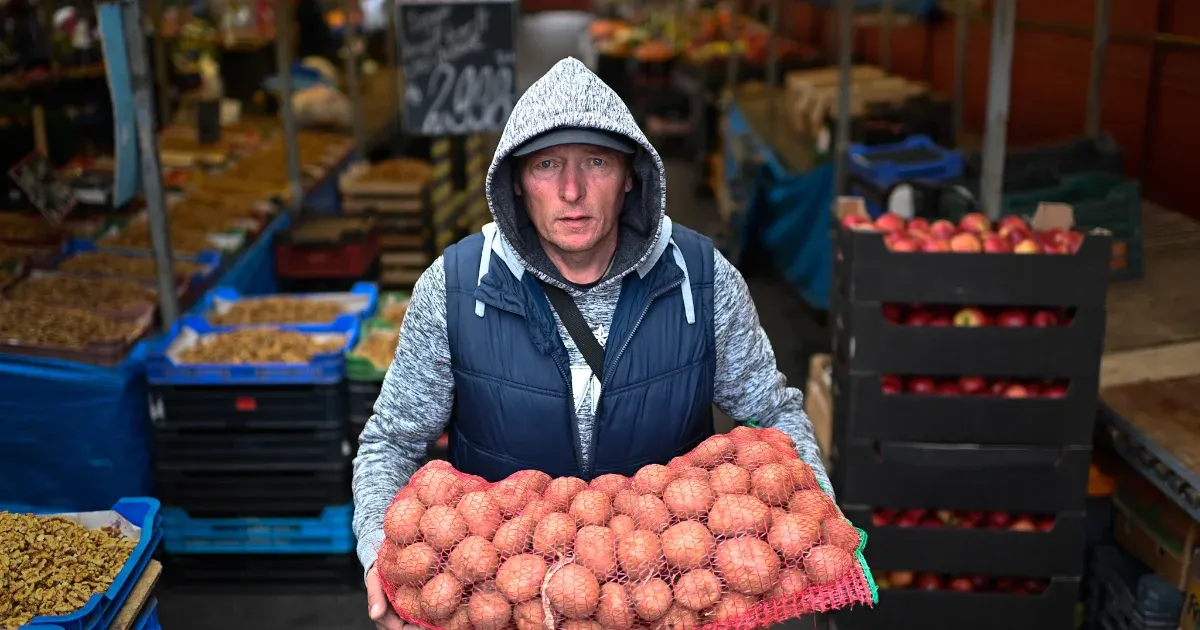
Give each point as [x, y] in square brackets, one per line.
[573, 193]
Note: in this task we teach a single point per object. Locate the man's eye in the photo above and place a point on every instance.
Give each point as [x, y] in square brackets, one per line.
[597, 161]
[545, 164]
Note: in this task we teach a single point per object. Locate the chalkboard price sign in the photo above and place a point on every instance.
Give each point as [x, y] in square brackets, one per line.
[459, 63]
[41, 183]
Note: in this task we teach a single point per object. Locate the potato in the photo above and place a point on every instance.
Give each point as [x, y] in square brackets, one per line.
[621, 524]
[640, 553]
[687, 545]
[488, 610]
[676, 462]
[538, 509]
[591, 507]
[411, 566]
[609, 484]
[596, 550]
[698, 589]
[553, 536]
[838, 532]
[792, 582]
[735, 514]
[803, 475]
[731, 608]
[436, 485]
[652, 479]
[624, 500]
[474, 484]
[520, 577]
[441, 596]
[579, 624]
[649, 512]
[534, 480]
[748, 565]
[752, 455]
[677, 618]
[481, 513]
[615, 611]
[773, 484]
[514, 536]
[401, 522]
[812, 503]
[742, 434]
[530, 615]
[510, 496]
[443, 527]
[573, 591]
[651, 598]
[691, 472]
[712, 452]
[406, 601]
[688, 498]
[729, 479]
[792, 535]
[777, 437]
[474, 559]
[826, 564]
[562, 490]
[460, 620]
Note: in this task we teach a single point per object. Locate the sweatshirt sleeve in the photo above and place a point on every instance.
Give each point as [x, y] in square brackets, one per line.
[748, 384]
[413, 410]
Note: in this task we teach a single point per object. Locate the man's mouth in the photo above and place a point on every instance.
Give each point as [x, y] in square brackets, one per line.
[575, 219]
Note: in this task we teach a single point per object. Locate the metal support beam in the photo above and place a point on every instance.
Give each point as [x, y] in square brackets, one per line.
[962, 23]
[1096, 81]
[350, 46]
[885, 36]
[1004, 25]
[841, 156]
[283, 61]
[141, 81]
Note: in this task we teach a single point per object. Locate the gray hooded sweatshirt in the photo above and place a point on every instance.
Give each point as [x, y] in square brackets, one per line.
[415, 405]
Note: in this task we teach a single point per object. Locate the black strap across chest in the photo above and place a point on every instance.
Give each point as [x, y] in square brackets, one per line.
[577, 327]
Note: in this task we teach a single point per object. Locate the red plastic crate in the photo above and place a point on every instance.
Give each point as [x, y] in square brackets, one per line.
[350, 258]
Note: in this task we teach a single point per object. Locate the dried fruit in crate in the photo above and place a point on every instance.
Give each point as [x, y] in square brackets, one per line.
[379, 347]
[112, 264]
[399, 170]
[669, 547]
[394, 313]
[23, 226]
[51, 565]
[8, 251]
[184, 240]
[242, 347]
[324, 229]
[59, 327]
[277, 310]
[111, 294]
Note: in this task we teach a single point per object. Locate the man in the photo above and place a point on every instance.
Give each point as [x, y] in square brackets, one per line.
[581, 333]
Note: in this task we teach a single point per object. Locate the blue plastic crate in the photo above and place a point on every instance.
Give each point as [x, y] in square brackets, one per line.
[148, 619]
[1126, 595]
[360, 303]
[101, 608]
[324, 369]
[210, 259]
[917, 157]
[328, 533]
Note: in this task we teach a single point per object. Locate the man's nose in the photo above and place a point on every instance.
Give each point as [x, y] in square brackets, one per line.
[571, 185]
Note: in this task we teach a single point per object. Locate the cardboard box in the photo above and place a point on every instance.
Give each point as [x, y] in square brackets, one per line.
[1157, 536]
[818, 404]
[1190, 619]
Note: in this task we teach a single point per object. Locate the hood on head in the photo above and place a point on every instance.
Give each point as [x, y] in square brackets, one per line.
[570, 95]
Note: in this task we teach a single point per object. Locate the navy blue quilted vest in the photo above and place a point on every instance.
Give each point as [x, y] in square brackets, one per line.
[513, 407]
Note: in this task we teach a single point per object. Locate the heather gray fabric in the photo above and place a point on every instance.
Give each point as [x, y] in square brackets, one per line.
[418, 393]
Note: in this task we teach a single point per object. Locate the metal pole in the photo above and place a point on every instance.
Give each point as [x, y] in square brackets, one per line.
[999, 82]
[962, 23]
[152, 189]
[885, 37]
[1099, 54]
[772, 61]
[350, 50]
[161, 87]
[283, 60]
[845, 52]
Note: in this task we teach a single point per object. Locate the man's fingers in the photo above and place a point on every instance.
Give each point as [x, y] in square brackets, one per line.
[378, 607]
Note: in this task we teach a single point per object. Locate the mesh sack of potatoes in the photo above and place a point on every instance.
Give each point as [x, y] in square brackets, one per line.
[736, 534]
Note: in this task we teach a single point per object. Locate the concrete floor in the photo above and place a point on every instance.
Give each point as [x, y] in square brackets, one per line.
[789, 323]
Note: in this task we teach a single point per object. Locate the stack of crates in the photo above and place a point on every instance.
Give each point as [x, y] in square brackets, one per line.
[874, 170]
[480, 149]
[965, 387]
[446, 201]
[253, 461]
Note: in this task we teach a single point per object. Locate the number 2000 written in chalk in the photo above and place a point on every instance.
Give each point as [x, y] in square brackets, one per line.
[470, 100]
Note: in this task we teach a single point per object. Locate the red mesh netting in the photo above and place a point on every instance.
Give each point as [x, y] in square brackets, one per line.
[732, 536]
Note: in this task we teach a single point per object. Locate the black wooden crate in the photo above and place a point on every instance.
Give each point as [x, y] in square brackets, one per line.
[267, 491]
[259, 407]
[915, 609]
[270, 572]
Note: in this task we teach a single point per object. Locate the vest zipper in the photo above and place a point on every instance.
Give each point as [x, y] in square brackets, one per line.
[564, 372]
[608, 370]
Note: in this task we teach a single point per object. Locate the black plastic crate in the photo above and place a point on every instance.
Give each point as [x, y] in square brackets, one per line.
[991, 552]
[1031, 167]
[257, 408]
[262, 572]
[866, 341]
[866, 271]
[861, 407]
[204, 449]
[1041, 480]
[362, 396]
[915, 609]
[234, 492]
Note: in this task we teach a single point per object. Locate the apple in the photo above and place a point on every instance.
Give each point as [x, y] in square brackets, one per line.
[935, 245]
[1034, 586]
[918, 224]
[971, 518]
[915, 513]
[889, 222]
[947, 516]
[918, 234]
[879, 520]
[940, 318]
[1016, 390]
[972, 384]
[1012, 318]
[917, 318]
[998, 520]
[1013, 236]
[929, 582]
[1018, 591]
[966, 243]
[1004, 584]
[1074, 241]
[906, 520]
[1027, 246]
[930, 520]
[883, 583]
[891, 384]
[1012, 221]
[1044, 319]
[902, 579]
[1033, 389]
[948, 388]
[995, 244]
[921, 385]
[1053, 235]
[943, 229]
[1045, 524]
[893, 313]
[975, 222]
[1050, 247]
[962, 585]
[903, 244]
[998, 386]
[980, 582]
[1023, 523]
[1055, 390]
[970, 317]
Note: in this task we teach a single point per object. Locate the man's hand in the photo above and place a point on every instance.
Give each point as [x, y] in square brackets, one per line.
[379, 609]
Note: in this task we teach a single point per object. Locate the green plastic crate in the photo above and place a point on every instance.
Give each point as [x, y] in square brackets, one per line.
[359, 368]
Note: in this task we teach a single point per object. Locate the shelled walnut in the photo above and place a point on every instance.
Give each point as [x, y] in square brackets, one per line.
[262, 345]
[51, 565]
[184, 239]
[394, 313]
[9, 251]
[400, 169]
[328, 229]
[278, 310]
[379, 347]
[21, 226]
[115, 294]
[110, 264]
[59, 327]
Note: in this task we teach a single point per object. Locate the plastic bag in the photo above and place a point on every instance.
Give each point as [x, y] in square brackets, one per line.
[735, 534]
